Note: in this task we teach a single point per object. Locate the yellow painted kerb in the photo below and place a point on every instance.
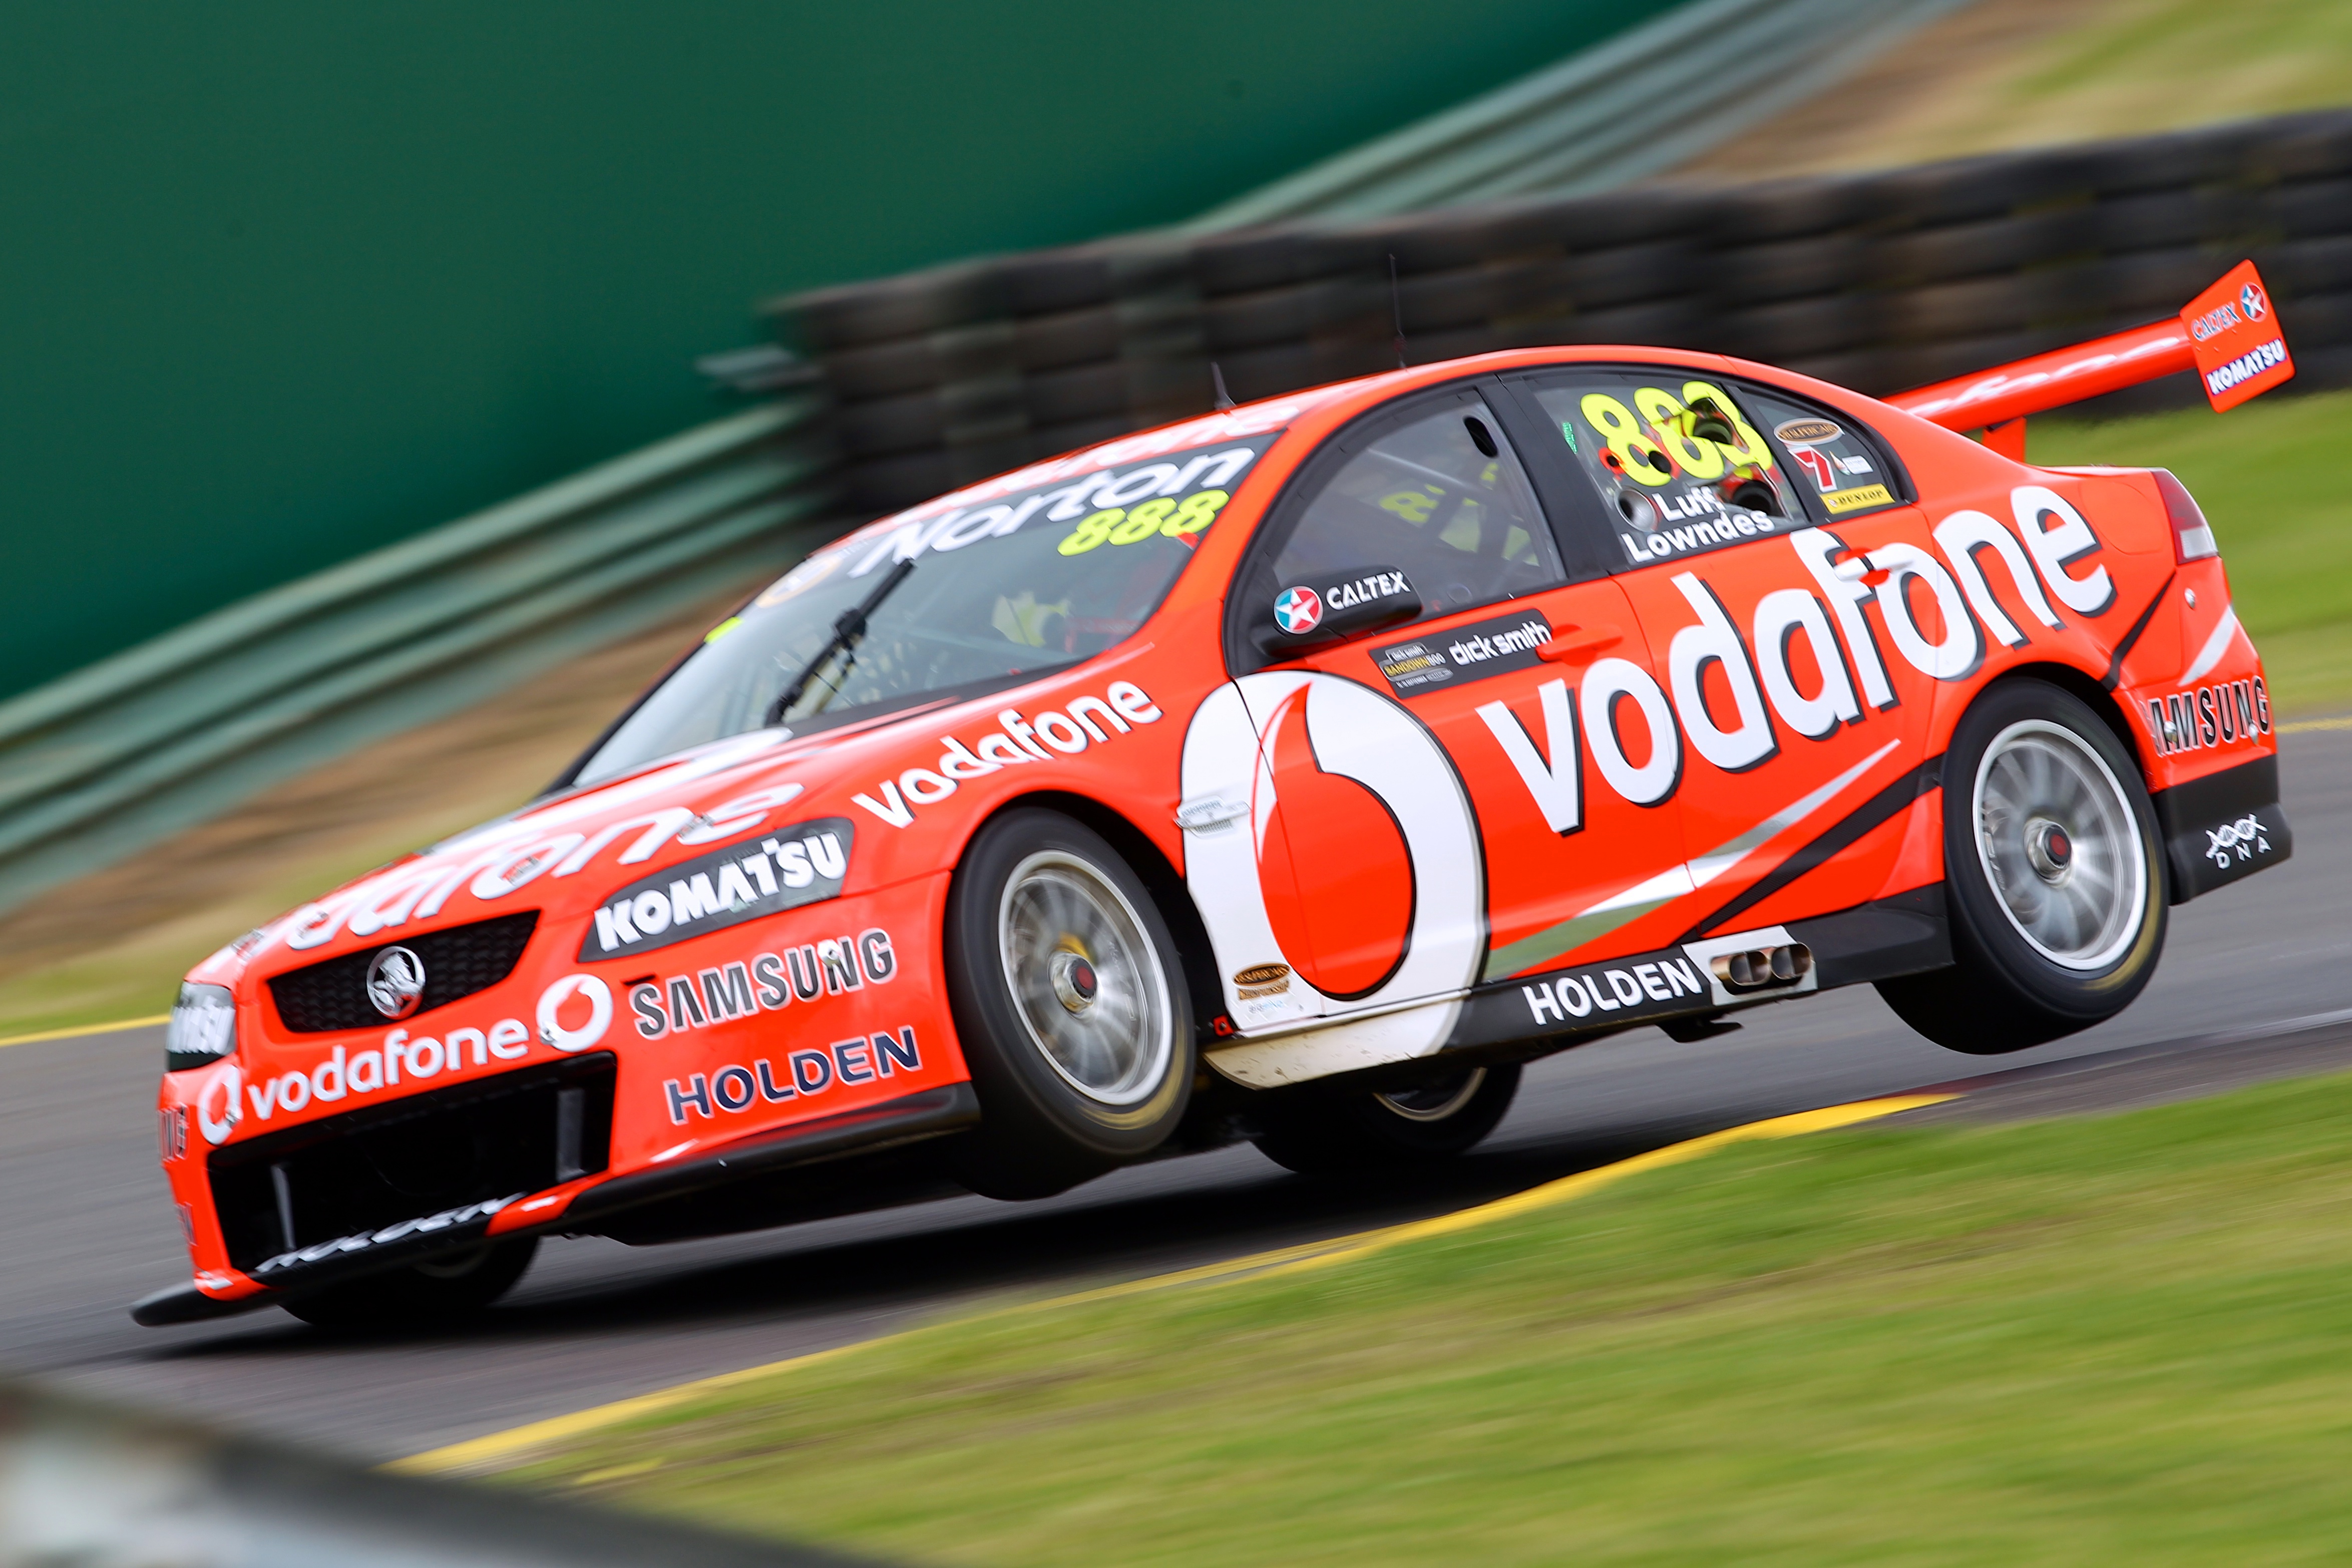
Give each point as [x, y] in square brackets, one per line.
[485, 1453]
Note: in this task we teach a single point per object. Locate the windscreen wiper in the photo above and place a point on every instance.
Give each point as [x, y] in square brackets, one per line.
[848, 628]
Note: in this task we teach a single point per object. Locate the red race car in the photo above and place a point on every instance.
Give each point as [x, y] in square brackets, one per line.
[1294, 773]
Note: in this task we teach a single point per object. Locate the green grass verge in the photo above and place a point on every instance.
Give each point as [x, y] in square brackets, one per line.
[2123, 1340]
[2145, 64]
[2268, 477]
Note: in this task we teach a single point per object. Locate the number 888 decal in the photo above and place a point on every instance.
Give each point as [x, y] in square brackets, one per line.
[1163, 518]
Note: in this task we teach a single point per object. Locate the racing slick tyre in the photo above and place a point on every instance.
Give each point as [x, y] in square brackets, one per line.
[1323, 1133]
[1070, 999]
[421, 1295]
[2053, 877]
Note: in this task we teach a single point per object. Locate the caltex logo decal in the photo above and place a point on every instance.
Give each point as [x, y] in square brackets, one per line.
[1297, 610]
[2250, 302]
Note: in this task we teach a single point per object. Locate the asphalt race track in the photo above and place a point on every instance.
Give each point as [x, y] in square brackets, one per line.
[2248, 983]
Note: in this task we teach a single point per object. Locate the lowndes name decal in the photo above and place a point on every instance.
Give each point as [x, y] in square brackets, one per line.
[1701, 521]
[1083, 721]
[807, 1072]
[766, 983]
[1471, 652]
[803, 864]
[2208, 716]
[572, 1015]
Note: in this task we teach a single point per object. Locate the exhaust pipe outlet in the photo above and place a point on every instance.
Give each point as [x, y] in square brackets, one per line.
[1763, 968]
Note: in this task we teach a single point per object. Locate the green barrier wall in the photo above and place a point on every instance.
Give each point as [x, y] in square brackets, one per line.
[282, 283]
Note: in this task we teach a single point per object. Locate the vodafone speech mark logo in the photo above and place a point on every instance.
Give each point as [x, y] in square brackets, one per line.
[1298, 610]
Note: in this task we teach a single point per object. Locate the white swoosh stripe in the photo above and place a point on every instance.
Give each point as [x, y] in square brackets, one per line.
[2215, 646]
[1623, 908]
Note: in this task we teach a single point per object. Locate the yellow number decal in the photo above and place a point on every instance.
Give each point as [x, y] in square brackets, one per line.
[1752, 447]
[1142, 521]
[1200, 510]
[1414, 506]
[1092, 531]
[1615, 421]
[1700, 459]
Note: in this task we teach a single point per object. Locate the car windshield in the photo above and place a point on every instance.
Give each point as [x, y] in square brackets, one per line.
[998, 592]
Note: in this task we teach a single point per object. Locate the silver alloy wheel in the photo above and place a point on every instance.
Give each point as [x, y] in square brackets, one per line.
[2059, 844]
[1435, 1101]
[1085, 978]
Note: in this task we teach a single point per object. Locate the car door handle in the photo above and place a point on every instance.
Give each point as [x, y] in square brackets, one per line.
[1573, 644]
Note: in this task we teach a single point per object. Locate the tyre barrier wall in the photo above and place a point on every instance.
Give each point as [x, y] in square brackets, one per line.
[1641, 103]
[165, 734]
[1879, 281]
[84, 1485]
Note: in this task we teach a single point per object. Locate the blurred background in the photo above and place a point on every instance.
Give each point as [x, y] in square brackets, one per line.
[388, 395]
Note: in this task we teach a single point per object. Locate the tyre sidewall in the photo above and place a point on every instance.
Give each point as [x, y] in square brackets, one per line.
[1024, 1100]
[1982, 935]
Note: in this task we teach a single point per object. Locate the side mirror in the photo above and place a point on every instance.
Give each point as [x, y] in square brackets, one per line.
[1324, 610]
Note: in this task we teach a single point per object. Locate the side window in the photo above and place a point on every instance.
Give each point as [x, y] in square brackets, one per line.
[1440, 497]
[1681, 466]
[1843, 470]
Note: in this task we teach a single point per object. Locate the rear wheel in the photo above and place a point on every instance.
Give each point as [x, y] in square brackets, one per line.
[1447, 1114]
[421, 1295]
[1069, 997]
[2053, 877]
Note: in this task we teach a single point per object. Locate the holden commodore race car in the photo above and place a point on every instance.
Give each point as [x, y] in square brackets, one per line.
[1294, 773]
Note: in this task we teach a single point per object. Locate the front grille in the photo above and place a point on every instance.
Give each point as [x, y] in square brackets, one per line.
[366, 1170]
[458, 961]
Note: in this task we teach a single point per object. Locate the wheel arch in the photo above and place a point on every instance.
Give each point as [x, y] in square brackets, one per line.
[1160, 878]
[2100, 702]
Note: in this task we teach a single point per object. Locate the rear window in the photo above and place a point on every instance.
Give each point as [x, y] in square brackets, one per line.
[1681, 466]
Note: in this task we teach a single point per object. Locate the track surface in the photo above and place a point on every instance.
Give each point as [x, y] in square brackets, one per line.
[88, 1226]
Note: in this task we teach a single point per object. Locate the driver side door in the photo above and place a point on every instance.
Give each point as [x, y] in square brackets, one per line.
[1419, 817]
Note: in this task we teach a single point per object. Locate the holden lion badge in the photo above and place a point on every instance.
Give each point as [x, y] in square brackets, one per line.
[1297, 610]
[396, 982]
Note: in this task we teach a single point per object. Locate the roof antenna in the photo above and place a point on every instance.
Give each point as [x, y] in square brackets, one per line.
[1396, 304]
[1224, 398]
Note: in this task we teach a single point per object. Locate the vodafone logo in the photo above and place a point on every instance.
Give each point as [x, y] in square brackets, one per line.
[1298, 610]
[2252, 303]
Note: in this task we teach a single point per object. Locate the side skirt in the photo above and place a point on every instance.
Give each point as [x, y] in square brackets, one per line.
[1905, 934]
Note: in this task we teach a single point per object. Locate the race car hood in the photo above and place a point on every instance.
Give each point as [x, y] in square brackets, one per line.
[569, 855]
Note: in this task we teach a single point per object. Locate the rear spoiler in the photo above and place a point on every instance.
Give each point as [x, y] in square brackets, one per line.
[2229, 334]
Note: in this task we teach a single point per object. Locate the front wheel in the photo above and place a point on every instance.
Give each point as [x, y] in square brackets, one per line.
[1071, 1004]
[2053, 877]
[1318, 1133]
